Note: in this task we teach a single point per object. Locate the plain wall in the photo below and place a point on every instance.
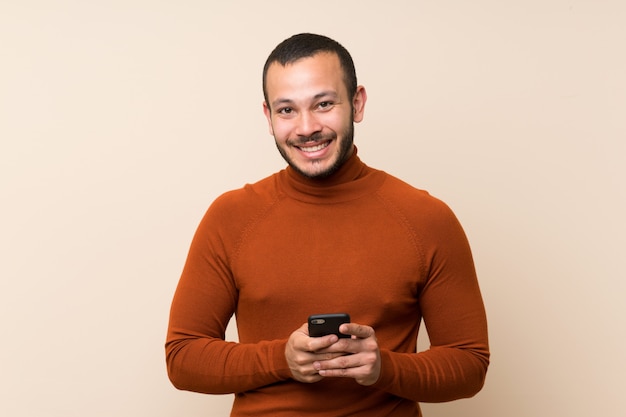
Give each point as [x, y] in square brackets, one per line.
[120, 122]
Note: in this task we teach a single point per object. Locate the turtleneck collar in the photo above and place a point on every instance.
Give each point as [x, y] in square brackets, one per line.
[353, 180]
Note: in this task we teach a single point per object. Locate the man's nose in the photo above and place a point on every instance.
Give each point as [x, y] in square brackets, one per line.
[307, 124]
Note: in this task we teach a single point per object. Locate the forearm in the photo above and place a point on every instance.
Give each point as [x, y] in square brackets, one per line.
[215, 366]
[437, 375]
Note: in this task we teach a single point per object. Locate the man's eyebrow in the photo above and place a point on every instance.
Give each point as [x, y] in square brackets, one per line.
[323, 94]
[330, 94]
[280, 101]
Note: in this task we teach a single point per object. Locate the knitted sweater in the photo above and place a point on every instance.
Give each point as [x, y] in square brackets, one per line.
[361, 242]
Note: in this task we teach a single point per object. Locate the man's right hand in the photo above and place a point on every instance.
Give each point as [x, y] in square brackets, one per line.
[300, 353]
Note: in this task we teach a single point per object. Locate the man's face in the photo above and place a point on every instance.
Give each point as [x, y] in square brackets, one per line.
[311, 115]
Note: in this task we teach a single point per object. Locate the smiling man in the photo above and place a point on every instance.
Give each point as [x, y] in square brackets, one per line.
[311, 113]
[327, 234]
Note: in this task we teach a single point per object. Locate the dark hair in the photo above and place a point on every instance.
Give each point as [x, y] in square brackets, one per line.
[305, 45]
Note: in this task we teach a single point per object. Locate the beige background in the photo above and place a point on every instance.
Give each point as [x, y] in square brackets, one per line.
[120, 122]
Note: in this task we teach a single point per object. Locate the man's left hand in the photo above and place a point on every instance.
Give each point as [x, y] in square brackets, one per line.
[362, 359]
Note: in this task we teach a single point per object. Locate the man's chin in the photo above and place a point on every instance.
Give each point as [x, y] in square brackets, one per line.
[316, 169]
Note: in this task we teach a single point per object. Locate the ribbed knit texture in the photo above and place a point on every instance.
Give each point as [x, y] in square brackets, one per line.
[361, 242]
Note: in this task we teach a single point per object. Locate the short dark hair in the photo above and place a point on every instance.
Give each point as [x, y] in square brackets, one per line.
[305, 45]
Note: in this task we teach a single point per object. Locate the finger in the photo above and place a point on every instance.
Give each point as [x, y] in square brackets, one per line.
[358, 330]
[316, 344]
[306, 375]
[337, 373]
[327, 356]
[338, 363]
[364, 368]
[339, 367]
[358, 374]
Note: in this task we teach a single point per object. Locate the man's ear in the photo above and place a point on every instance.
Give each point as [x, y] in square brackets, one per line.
[358, 103]
[268, 114]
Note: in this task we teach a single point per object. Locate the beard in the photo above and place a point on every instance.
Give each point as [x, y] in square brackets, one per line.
[342, 155]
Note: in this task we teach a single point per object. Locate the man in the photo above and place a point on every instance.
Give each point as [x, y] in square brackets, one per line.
[327, 234]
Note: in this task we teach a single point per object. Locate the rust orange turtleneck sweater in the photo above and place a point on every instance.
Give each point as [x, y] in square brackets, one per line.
[361, 241]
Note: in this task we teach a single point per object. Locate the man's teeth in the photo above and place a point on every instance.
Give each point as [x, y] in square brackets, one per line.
[314, 148]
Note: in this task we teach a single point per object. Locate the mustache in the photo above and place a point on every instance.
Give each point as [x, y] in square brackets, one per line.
[316, 137]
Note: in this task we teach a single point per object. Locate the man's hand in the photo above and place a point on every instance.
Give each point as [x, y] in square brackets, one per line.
[358, 357]
[302, 352]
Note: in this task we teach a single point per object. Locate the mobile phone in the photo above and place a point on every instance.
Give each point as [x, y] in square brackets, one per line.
[323, 324]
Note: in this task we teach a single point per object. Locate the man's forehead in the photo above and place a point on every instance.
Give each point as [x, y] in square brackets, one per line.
[320, 69]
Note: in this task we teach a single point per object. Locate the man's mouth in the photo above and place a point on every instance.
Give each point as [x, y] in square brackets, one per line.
[314, 148]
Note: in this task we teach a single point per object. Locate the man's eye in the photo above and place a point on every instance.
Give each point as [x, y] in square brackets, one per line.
[285, 110]
[325, 104]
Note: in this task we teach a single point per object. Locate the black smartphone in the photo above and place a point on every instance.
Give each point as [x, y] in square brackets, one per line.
[323, 324]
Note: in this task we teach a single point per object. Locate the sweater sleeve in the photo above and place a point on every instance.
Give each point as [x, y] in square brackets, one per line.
[197, 355]
[455, 366]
